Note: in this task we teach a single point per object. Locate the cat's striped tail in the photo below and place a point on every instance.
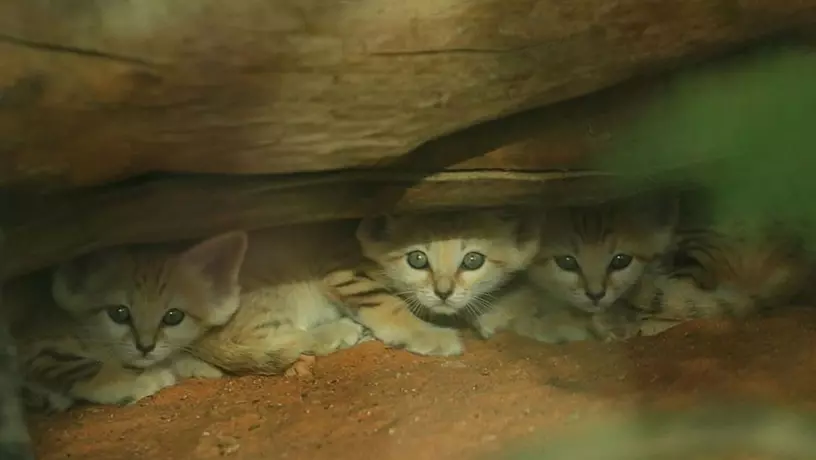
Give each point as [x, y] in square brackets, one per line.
[680, 298]
[250, 353]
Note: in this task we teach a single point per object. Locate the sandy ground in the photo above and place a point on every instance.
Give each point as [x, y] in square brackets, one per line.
[370, 402]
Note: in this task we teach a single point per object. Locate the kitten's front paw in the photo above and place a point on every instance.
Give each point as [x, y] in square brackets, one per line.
[366, 336]
[189, 367]
[555, 333]
[615, 325]
[484, 332]
[340, 334]
[302, 368]
[41, 399]
[435, 341]
[147, 384]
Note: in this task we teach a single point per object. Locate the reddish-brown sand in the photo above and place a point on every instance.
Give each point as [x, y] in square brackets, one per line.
[370, 402]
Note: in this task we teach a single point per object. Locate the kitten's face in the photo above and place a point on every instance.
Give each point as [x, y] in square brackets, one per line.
[144, 305]
[449, 263]
[590, 257]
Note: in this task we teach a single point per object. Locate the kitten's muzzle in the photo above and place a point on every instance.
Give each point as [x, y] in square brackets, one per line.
[595, 297]
[443, 294]
[145, 349]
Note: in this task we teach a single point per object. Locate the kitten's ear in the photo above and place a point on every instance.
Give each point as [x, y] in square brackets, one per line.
[528, 232]
[219, 260]
[667, 213]
[70, 281]
[528, 237]
[525, 228]
[659, 214]
[373, 233]
[526, 222]
[373, 230]
[69, 276]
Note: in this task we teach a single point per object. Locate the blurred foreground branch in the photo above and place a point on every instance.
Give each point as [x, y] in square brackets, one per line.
[742, 128]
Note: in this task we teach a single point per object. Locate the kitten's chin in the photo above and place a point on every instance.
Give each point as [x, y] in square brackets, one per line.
[141, 363]
[590, 307]
[144, 362]
[443, 310]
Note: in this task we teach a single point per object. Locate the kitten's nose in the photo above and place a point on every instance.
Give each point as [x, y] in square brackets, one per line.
[145, 349]
[595, 297]
[443, 294]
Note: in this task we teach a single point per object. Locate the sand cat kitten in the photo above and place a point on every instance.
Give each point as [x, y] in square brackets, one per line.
[285, 311]
[282, 312]
[446, 269]
[722, 270]
[593, 257]
[123, 318]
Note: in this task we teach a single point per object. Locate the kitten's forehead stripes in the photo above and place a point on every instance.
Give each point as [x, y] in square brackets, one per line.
[593, 287]
[155, 282]
[591, 226]
[395, 258]
[498, 262]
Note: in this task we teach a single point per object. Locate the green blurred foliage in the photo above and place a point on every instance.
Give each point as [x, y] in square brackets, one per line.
[745, 128]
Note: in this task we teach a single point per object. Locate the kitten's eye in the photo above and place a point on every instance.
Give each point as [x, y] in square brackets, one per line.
[567, 263]
[173, 317]
[417, 260]
[473, 261]
[119, 314]
[620, 261]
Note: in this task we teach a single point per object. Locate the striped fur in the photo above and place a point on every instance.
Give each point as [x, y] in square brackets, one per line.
[286, 315]
[724, 271]
[419, 307]
[683, 266]
[593, 256]
[71, 349]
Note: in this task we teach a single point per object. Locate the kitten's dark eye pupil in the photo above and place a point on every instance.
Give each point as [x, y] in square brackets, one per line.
[473, 261]
[417, 260]
[620, 261]
[119, 314]
[567, 263]
[173, 317]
